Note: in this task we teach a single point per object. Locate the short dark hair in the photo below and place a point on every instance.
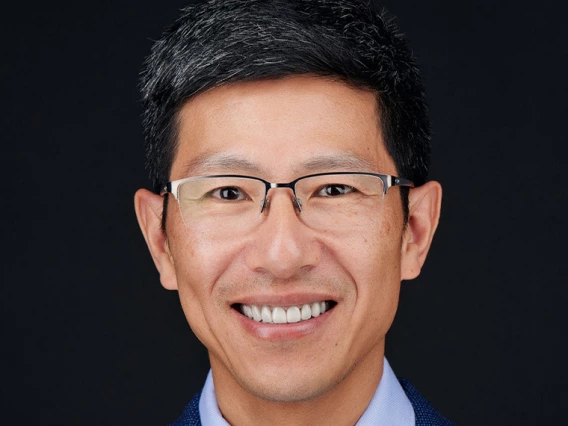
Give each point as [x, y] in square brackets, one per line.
[227, 41]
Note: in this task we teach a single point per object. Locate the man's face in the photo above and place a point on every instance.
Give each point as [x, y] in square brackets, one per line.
[281, 130]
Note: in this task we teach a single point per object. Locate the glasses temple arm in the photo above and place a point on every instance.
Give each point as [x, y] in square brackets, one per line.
[397, 181]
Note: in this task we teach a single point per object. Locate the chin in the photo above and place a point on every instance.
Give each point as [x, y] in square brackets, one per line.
[288, 394]
[299, 386]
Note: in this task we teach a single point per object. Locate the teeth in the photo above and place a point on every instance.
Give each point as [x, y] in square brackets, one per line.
[266, 314]
[316, 309]
[280, 315]
[256, 313]
[293, 314]
[247, 311]
[306, 312]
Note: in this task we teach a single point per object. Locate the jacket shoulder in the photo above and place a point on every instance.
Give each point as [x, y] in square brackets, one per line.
[425, 414]
[190, 414]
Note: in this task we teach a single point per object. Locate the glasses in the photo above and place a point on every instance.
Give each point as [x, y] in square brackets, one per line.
[233, 204]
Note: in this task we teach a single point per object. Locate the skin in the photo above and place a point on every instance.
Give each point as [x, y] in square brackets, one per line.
[326, 368]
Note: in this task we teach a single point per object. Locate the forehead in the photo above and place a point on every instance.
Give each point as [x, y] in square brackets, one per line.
[280, 129]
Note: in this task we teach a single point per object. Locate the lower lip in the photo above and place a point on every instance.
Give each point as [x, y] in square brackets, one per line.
[296, 330]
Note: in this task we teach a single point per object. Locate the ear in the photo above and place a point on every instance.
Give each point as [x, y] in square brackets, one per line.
[424, 203]
[149, 208]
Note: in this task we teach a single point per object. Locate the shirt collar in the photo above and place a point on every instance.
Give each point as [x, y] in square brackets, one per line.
[389, 405]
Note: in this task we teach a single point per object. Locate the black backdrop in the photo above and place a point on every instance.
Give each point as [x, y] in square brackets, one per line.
[91, 338]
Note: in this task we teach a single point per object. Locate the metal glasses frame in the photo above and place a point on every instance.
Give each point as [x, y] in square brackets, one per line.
[388, 181]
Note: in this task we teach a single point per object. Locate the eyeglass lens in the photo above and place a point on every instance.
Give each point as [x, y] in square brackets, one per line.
[233, 204]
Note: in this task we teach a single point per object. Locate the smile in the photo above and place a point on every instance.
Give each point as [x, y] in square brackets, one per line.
[285, 315]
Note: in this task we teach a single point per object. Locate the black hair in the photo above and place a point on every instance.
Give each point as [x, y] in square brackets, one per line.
[227, 41]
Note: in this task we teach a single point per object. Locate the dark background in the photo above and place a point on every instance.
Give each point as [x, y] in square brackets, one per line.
[90, 337]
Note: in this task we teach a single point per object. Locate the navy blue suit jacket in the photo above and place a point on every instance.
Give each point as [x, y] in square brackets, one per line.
[423, 411]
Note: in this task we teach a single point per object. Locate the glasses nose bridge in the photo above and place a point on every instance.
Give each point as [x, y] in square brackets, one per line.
[271, 185]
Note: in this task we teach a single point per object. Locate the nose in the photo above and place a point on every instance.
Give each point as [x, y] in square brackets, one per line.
[283, 246]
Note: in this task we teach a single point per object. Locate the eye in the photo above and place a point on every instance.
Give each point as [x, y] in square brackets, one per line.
[229, 193]
[334, 190]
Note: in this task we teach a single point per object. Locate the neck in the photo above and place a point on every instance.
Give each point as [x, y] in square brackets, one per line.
[343, 404]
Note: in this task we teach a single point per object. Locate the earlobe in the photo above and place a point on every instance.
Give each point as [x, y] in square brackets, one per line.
[148, 208]
[424, 212]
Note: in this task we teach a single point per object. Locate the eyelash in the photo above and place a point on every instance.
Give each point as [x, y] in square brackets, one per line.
[242, 194]
[348, 189]
[319, 192]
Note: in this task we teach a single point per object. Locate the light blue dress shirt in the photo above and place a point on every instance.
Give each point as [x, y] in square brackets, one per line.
[389, 406]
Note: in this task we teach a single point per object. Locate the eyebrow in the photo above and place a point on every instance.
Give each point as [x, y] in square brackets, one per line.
[208, 163]
[231, 163]
[349, 162]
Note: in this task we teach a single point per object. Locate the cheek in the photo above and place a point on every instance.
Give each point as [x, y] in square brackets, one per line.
[374, 264]
[199, 262]
[373, 254]
[197, 255]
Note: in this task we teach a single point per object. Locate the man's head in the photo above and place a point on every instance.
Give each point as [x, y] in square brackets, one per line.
[228, 41]
[278, 90]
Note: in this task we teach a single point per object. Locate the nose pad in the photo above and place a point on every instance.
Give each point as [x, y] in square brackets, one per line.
[263, 204]
[297, 204]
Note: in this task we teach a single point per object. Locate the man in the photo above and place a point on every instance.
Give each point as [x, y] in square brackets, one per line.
[288, 146]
